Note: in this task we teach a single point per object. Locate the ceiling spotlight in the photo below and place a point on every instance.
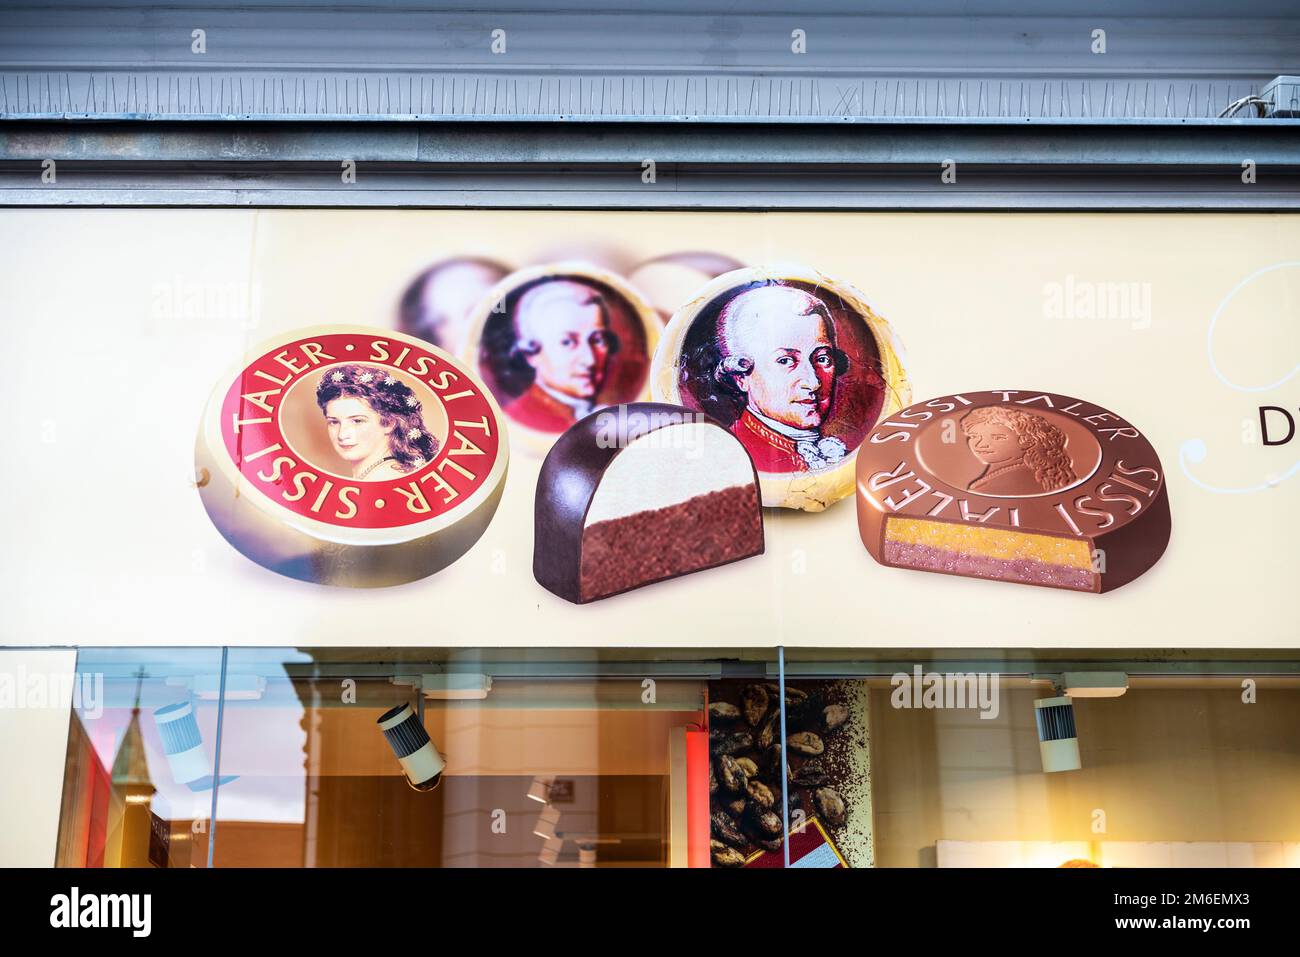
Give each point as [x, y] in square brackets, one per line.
[237, 687]
[456, 687]
[540, 790]
[405, 734]
[447, 687]
[1094, 684]
[184, 747]
[545, 826]
[551, 851]
[1058, 743]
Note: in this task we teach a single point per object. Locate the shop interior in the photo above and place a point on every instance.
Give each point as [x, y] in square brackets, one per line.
[609, 757]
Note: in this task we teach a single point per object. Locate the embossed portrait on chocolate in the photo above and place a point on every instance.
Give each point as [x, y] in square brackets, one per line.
[1022, 453]
[1013, 485]
[557, 347]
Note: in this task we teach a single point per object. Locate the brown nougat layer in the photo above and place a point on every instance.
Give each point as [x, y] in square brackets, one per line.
[645, 547]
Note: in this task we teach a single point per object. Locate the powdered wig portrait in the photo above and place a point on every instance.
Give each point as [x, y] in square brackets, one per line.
[561, 346]
[789, 367]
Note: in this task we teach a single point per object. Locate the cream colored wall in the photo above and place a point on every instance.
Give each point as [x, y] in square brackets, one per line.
[1160, 765]
[116, 324]
[33, 744]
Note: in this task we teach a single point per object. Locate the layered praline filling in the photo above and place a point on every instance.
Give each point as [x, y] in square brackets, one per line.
[982, 552]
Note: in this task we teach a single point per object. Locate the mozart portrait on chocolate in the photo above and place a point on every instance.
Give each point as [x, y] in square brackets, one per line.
[561, 348]
[772, 371]
[375, 422]
[1022, 453]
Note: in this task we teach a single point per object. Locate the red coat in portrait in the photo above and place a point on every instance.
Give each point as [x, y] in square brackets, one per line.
[770, 451]
[537, 410]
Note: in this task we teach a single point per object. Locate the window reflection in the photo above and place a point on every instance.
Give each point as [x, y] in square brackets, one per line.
[586, 758]
[540, 770]
[138, 781]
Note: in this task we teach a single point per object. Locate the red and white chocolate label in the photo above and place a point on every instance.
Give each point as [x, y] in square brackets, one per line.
[361, 430]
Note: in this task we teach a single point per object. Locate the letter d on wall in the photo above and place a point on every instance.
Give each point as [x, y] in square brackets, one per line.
[1263, 424]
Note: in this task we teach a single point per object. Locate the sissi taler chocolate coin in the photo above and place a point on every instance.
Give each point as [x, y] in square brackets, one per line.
[345, 455]
[1013, 485]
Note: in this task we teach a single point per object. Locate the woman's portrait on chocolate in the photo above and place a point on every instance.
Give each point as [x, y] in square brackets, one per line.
[791, 369]
[559, 347]
[375, 422]
[437, 305]
[1022, 453]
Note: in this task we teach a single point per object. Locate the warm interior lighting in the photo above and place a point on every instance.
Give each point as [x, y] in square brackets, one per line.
[540, 789]
[550, 852]
[1058, 742]
[545, 826]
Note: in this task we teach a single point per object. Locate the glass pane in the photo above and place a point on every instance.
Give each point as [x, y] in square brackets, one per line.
[138, 785]
[467, 758]
[1070, 759]
[826, 773]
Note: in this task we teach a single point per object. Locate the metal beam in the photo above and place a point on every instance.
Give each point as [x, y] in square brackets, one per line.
[602, 166]
[1114, 145]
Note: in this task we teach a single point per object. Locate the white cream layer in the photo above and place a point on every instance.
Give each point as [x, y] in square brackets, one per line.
[669, 466]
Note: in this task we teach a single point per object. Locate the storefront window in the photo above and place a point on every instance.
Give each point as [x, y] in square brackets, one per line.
[567, 758]
[1147, 764]
[139, 780]
[635, 758]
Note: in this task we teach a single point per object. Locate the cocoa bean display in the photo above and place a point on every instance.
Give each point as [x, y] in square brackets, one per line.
[830, 806]
[754, 701]
[724, 828]
[731, 775]
[760, 794]
[746, 807]
[806, 742]
[833, 716]
[724, 856]
[720, 711]
[733, 743]
[810, 775]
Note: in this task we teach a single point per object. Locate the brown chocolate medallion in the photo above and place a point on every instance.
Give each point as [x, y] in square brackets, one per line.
[1021, 486]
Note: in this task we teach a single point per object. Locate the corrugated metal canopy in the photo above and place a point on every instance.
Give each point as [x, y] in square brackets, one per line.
[579, 60]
